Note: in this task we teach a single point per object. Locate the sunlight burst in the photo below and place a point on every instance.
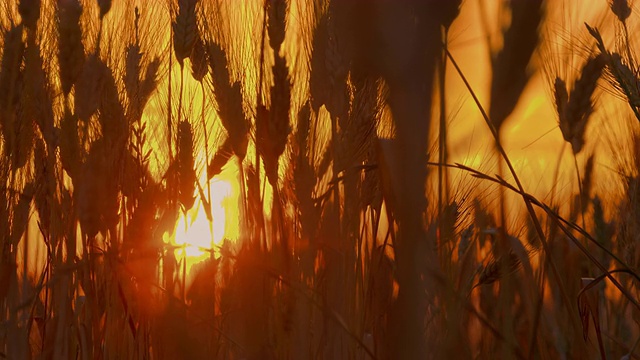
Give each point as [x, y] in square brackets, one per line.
[194, 234]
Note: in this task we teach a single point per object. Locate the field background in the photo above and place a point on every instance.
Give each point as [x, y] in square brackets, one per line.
[325, 179]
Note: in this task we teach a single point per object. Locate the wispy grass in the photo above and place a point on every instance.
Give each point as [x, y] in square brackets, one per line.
[118, 118]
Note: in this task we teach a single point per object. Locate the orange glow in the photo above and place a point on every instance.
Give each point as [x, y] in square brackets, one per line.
[195, 235]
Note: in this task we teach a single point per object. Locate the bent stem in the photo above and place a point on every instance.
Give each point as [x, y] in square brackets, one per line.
[532, 214]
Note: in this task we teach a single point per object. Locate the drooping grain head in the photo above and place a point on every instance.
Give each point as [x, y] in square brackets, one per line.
[580, 105]
[625, 80]
[29, 10]
[304, 177]
[112, 115]
[620, 9]
[133, 58]
[277, 10]
[318, 86]
[70, 47]
[510, 65]
[13, 49]
[229, 100]
[39, 95]
[105, 6]
[446, 12]
[185, 29]
[88, 88]
[621, 75]
[493, 270]
[561, 96]
[358, 129]
[272, 125]
[12, 83]
[198, 57]
[220, 159]
[147, 86]
[337, 61]
[219, 66]
[24, 126]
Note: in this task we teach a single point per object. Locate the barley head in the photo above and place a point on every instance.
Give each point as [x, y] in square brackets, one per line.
[70, 48]
[29, 10]
[185, 29]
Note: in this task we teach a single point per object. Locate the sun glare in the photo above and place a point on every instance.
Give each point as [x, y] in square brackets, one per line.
[194, 234]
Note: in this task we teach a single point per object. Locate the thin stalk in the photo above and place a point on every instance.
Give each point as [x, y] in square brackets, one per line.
[206, 160]
[575, 162]
[527, 202]
[442, 141]
[565, 226]
[258, 102]
[169, 99]
[556, 172]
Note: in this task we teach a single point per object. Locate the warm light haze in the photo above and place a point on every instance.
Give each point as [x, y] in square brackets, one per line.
[319, 179]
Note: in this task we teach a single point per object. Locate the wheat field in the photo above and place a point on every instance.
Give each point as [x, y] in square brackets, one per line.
[319, 179]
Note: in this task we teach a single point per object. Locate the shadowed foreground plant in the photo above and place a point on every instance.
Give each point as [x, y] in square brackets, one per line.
[344, 249]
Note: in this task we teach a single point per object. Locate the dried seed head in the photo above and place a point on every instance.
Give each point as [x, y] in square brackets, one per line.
[229, 100]
[198, 57]
[277, 10]
[185, 29]
[561, 96]
[446, 11]
[70, 47]
[620, 9]
[87, 96]
[150, 82]
[272, 126]
[105, 6]
[38, 91]
[493, 271]
[219, 66]
[29, 10]
[626, 80]
[220, 159]
[132, 71]
[112, 115]
[573, 120]
[336, 62]
[510, 64]
[12, 85]
[304, 178]
[359, 128]
[318, 85]
[12, 52]
[24, 127]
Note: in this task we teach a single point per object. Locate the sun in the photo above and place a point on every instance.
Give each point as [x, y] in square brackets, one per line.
[195, 235]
